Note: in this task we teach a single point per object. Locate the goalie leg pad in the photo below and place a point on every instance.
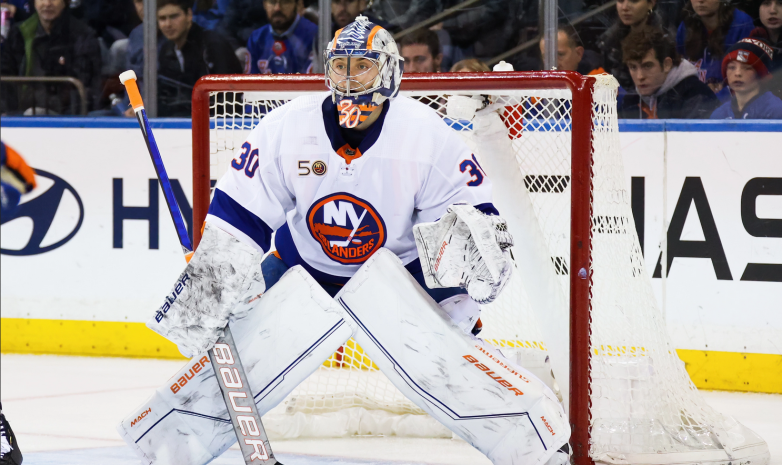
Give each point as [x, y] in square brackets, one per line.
[282, 340]
[499, 408]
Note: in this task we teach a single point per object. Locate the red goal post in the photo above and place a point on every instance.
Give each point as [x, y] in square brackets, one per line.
[581, 88]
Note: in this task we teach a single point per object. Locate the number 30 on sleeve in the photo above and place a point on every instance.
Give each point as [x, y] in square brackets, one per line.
[473, 169]
[245, 160]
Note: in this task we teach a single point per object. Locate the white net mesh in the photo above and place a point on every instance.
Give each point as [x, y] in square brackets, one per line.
[642, 400]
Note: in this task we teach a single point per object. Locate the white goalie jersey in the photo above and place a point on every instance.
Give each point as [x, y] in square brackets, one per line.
[333, 205]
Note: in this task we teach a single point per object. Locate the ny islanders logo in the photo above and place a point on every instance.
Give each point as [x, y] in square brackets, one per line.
[348, 228]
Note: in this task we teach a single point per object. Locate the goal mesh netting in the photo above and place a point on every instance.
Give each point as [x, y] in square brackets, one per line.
[642, 406]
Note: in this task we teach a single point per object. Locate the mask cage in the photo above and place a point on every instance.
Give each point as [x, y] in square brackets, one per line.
[340, 83]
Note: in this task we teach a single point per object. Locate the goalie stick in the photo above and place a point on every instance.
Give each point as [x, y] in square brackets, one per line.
[228, 368]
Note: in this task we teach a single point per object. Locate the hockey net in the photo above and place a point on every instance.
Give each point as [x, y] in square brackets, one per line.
[629, 397]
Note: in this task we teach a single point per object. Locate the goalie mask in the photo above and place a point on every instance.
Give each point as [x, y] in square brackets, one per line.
[363, 69]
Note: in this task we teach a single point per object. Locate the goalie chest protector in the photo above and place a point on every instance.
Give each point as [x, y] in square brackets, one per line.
[333, 205]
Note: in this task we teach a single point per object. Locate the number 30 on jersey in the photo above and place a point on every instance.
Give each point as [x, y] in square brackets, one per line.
[247, 161]
[473, 168]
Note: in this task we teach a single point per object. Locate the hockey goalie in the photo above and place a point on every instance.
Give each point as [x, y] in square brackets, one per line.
[386, 233]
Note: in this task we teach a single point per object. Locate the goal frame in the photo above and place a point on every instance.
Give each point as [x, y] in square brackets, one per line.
[581, 88]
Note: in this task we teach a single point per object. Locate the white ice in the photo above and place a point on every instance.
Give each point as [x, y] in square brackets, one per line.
[64, 410]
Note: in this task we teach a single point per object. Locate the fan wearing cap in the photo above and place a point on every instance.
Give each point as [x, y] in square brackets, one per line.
[746, 70]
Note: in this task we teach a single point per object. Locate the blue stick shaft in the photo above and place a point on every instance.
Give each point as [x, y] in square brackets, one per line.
[165, 183]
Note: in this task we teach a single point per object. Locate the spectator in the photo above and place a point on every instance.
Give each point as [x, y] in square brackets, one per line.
[51, 43]
[770, 15]
[286, 45]
[667, 86]
[421, 51]
[746, 67]
[189, 53]
[470, 65]
[709, 28]
[571, 55]
[631, 15]
[770, 29]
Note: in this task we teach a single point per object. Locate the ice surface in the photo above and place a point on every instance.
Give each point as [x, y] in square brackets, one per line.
[64, 411]
[123, 456]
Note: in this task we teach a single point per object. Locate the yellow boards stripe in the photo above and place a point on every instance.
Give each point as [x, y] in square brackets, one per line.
[730, 371]
[733, 371]
[76, 337]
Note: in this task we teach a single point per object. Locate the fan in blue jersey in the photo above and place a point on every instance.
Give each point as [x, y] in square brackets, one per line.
[284, 46]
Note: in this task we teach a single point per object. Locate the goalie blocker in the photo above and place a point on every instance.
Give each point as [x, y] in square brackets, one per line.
[501, 409]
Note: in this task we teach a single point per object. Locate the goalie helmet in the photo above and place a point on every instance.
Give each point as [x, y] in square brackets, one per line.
[353, 88]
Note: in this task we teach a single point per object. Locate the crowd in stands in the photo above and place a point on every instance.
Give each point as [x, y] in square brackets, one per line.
[672, 58]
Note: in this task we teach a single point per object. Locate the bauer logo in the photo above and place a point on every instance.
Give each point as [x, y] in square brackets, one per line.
[47, 218]
[172, 297]
[187, 376]
[493, 375]
[348, 229]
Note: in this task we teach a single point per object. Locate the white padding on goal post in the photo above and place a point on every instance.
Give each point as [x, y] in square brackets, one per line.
[533, 259]
[501, 409]
[292, 329]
